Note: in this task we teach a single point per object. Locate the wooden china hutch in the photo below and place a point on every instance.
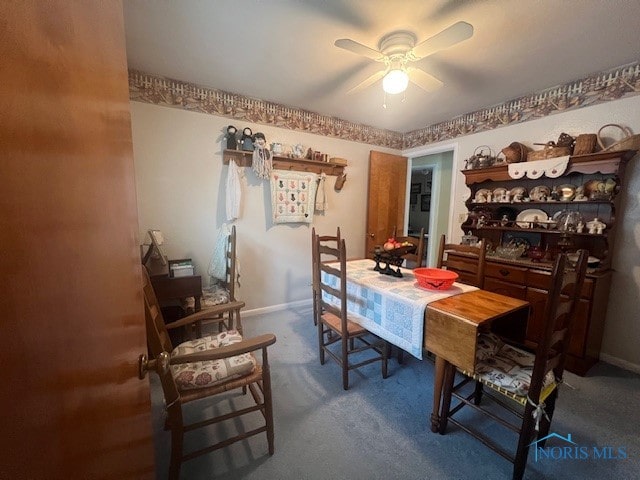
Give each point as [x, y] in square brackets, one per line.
[541, 212]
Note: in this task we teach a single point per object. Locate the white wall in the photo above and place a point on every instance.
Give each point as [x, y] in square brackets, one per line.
[622, 329]
[181, 180]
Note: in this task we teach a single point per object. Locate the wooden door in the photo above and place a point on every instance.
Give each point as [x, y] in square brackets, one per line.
[386, 198]
[72, 318]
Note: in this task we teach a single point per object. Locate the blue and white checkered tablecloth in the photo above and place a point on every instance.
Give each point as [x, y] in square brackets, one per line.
[390, 307]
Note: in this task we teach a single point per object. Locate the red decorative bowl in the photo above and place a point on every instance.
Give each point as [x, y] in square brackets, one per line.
[435, 278]
[536, 253]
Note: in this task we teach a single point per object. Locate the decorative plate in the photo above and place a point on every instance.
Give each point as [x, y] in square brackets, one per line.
[540, 193]
[568, 220]
[517, 194]
[527, 218]
[482, 195]
[499, 194]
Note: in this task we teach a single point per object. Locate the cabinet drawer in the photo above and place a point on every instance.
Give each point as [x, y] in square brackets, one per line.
[539, 279]
[542, 280]
[505, 288]
[506, 272]
[460, 262]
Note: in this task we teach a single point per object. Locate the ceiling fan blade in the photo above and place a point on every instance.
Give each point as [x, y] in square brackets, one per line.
[368, 82]
[424, 80]
[359, 49]
[448, 37]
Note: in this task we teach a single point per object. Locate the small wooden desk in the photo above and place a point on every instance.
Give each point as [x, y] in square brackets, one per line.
[451, 332]
[167, 288]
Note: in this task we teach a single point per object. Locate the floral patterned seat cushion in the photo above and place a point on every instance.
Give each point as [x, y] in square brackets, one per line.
[506, 368]
[215, 294]
[189, 376]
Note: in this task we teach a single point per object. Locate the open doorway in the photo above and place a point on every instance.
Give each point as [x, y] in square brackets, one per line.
[430, 207]
[420, 202]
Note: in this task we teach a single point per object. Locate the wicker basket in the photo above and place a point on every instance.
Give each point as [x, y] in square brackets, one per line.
[585, 144]
[548, 151]
[515, 152]
[629, 142]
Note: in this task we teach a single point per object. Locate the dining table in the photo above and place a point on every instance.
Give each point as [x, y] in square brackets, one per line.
[443, 322]
[390, 307]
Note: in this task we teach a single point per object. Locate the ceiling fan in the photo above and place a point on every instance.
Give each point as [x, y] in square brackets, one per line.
[398, 49]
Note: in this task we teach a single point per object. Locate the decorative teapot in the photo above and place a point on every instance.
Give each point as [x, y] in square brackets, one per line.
[480, 159]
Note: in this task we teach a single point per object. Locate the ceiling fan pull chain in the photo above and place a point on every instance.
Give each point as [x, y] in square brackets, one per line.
[384, 101]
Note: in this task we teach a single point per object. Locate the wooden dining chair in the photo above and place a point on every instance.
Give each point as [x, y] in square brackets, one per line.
[325, 240]
[334, 326]
[205, 368]
[468, 261]
[219, 298]
[414, 260]
[531, 380]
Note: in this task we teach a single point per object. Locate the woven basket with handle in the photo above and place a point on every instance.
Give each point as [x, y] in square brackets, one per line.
[629, 142]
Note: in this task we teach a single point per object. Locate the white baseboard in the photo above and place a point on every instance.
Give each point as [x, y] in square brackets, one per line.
[276, 308]
[618, 362]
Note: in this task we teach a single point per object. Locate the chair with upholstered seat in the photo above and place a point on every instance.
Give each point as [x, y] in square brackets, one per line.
[326, 240]
[416, 259]
[513, 374]
[467, 260]
[205, 368]
[219, 299]
[334, 327]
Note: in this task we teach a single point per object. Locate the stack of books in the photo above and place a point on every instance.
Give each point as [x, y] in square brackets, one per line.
[181, 268]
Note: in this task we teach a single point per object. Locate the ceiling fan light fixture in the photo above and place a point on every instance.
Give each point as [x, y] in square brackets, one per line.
[396, 81]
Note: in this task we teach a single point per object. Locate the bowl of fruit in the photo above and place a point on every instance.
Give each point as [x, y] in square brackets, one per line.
[396, 248]
[391, 255]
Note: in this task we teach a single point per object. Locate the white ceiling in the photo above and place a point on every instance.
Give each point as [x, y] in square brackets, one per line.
[282, 50]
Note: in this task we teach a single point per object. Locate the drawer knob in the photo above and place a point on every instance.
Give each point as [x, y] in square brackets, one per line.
[504, 272]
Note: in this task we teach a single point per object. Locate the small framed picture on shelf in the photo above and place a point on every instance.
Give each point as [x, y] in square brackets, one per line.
[413, 198]
[425, 202]
[416, 187]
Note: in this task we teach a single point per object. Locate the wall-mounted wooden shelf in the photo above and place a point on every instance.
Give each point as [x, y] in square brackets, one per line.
[602, 162]
[245, 159]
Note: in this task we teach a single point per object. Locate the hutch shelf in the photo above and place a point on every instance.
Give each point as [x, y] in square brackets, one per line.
[499, 221]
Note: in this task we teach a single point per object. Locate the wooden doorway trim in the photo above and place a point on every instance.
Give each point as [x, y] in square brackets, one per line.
[387, 195]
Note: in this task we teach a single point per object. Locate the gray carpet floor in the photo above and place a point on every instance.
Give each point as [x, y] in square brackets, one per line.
[379, 429]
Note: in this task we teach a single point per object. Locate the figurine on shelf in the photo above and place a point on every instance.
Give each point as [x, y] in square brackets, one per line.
[232, 140]
[309, 155]
[580, 196]
[276, 148]
[298, 151]
[262, 163]
[247, 139]
[596, 227]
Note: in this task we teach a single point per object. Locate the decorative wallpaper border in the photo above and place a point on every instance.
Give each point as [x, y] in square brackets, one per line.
[601, 87]
[144, 87]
